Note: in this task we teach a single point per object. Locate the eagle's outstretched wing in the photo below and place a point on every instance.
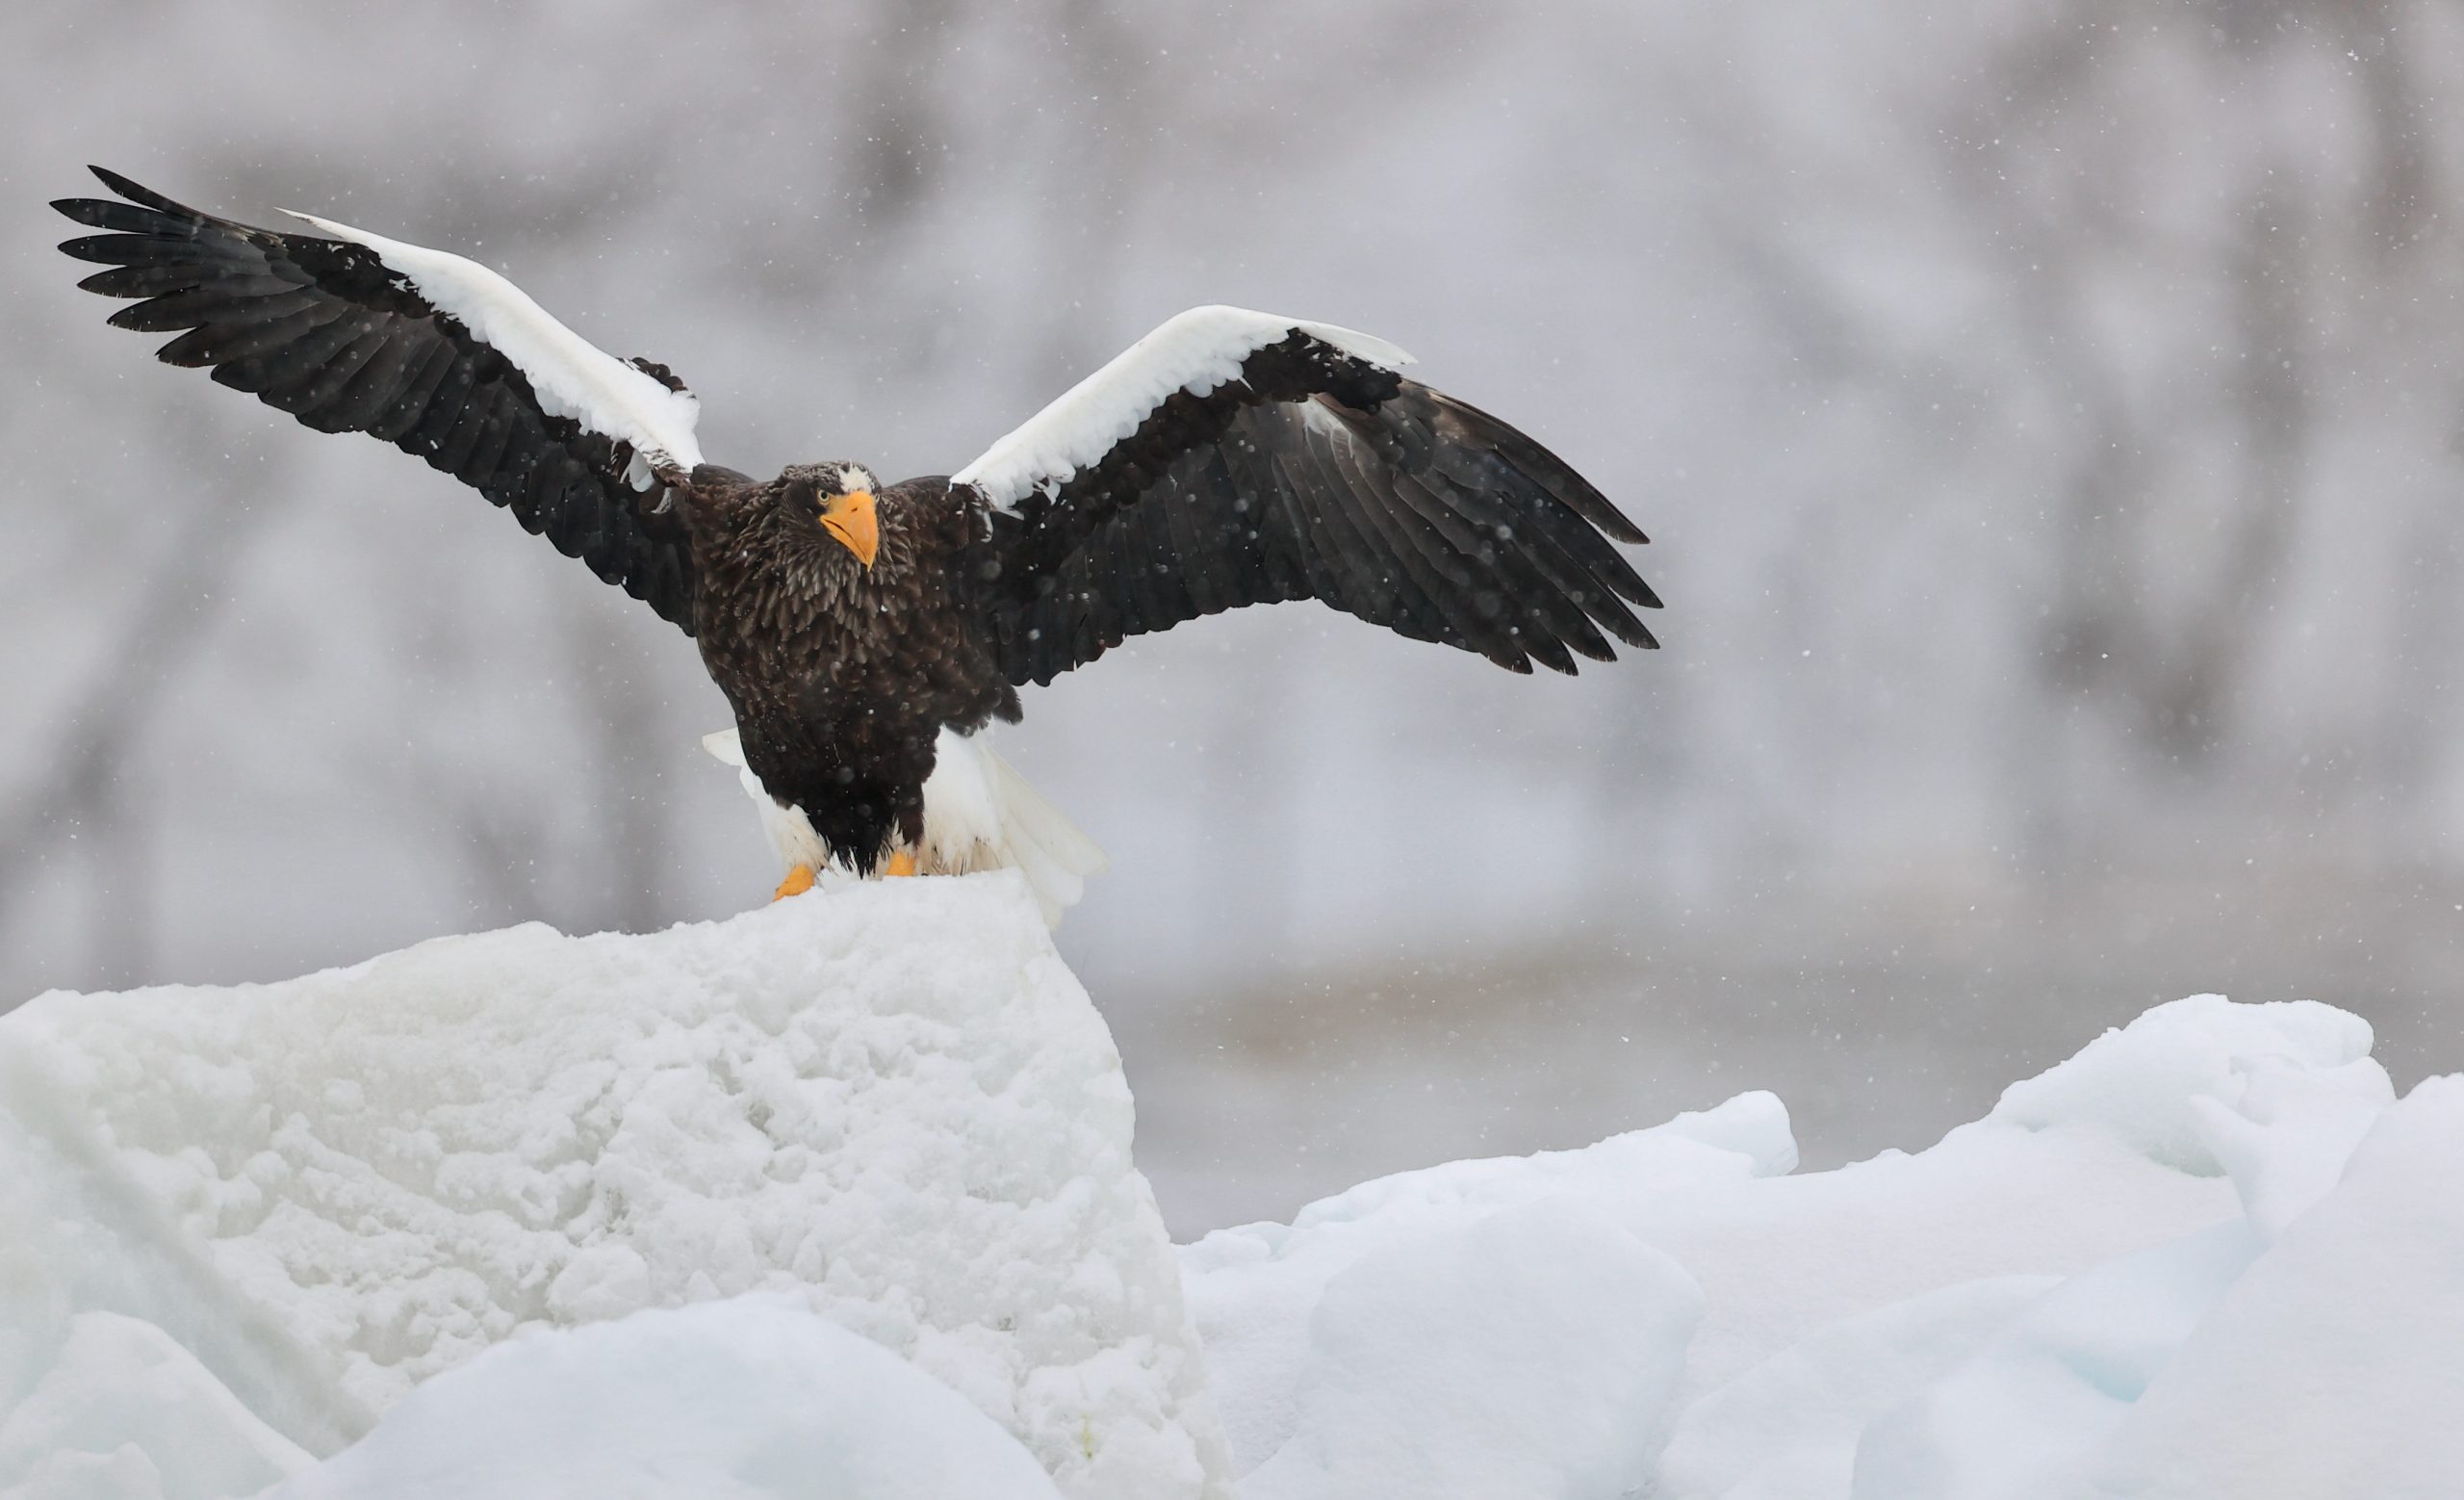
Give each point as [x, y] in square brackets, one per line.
[434, 353]
[1233, 457]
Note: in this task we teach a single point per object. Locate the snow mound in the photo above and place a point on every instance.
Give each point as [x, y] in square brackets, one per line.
[893, 1104]
[124, 1411]
[2209, 1256]
[746, 1398]
[834, 1198]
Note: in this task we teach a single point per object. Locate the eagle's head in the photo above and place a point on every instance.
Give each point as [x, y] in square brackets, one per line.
[838, 498]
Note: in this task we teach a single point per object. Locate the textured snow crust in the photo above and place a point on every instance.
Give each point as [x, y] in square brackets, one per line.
[1193, 352]
[892, 1105]
[2210, 1255]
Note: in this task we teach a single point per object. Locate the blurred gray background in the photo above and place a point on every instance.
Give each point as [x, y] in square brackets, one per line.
[2046, 414]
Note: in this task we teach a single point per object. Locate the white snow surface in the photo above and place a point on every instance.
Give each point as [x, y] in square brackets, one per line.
[892, 1104]
[834, 1198]
[750, 1397]
[571, 377]
[2209, 1256]
[125, 1411]
[1193, 352]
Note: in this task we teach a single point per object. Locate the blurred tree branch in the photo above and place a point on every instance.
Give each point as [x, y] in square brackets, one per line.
[2171, 648]
[78, 789]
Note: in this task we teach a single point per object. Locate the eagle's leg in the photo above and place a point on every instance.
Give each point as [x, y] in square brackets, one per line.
[799, 880]
[900, 864]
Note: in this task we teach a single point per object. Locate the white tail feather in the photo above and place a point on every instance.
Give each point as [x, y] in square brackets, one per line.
[979, 813]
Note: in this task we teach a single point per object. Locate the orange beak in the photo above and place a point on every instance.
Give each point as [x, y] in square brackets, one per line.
[850, 518]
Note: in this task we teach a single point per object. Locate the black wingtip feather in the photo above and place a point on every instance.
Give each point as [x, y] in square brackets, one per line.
[141, 280]
[103, 250]
[137, 194]
[124, 217]
[318, 328]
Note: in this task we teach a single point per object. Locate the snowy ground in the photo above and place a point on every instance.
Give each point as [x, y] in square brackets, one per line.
[834, 1200]
[2147, 1272]
[894, 1105]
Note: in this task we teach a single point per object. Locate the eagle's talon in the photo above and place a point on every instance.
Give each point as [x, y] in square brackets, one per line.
[900, 864]
[799, 880]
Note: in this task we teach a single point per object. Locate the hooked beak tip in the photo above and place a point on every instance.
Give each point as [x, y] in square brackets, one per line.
[850, 519]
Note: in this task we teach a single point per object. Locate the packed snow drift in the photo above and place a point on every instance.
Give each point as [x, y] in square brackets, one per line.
[834, 1200]
[892, 1103]
[2210, 1255]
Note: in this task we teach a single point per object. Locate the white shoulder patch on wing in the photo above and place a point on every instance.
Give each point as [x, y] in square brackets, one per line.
[571, 377]
[1195, 353]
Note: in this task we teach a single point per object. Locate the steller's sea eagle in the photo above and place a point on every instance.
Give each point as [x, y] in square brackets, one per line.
[863, 632]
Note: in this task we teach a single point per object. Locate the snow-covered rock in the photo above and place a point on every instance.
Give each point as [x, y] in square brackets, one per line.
[894, 1105]
[2151, 1271]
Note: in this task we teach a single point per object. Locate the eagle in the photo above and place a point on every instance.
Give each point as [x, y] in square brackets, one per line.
[864, 634]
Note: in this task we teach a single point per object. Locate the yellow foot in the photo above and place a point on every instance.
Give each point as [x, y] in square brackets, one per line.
[799, 880]
[900, 864]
